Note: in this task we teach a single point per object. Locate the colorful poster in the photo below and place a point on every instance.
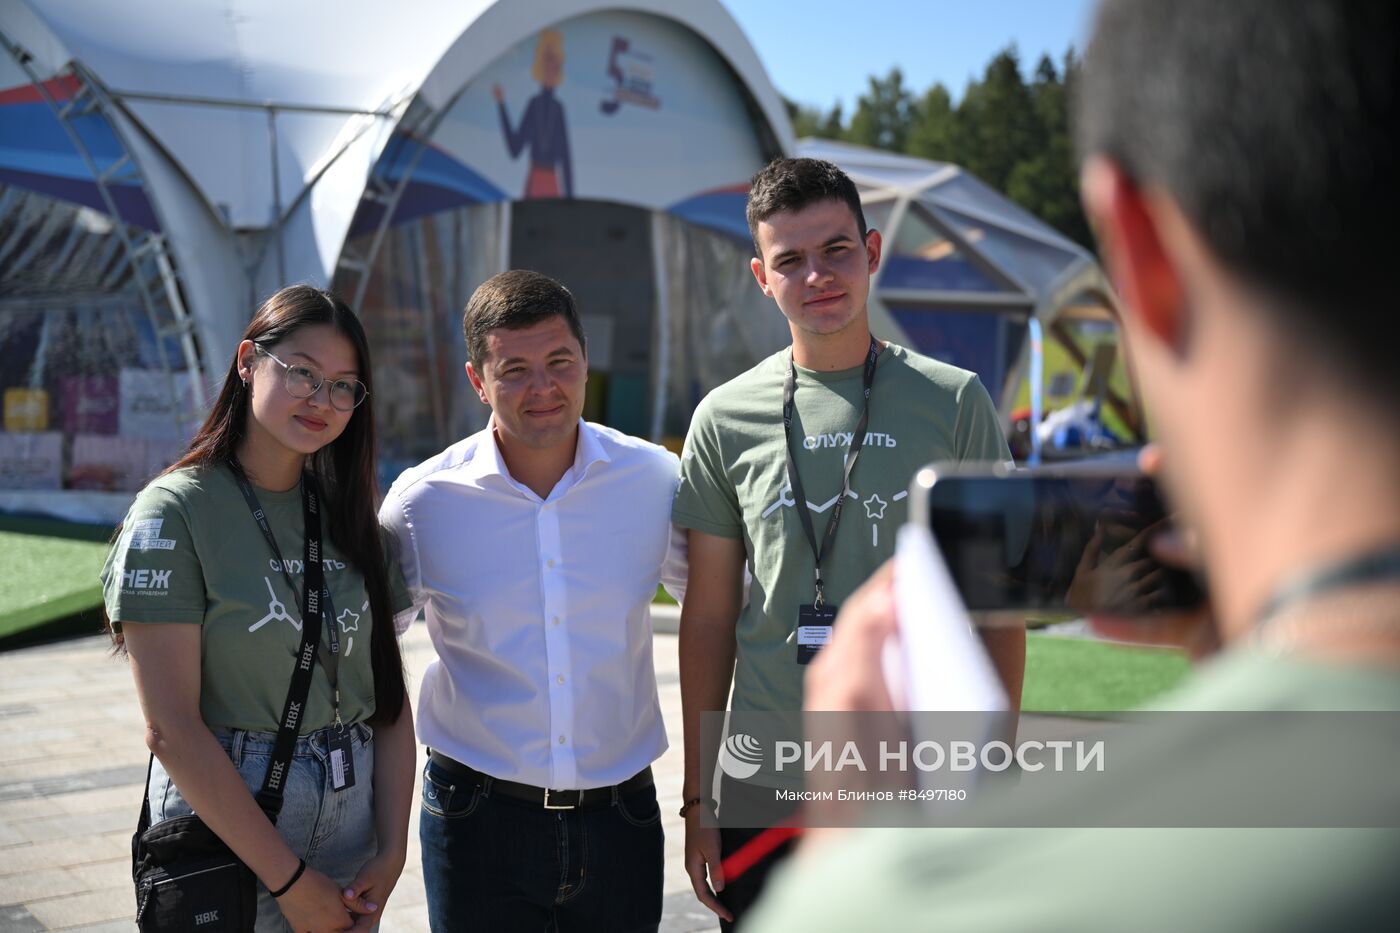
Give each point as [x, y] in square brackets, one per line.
[614, 106]
[89, 404]
[108, 462]
[147, 408]
[31, 460]
[26, 410]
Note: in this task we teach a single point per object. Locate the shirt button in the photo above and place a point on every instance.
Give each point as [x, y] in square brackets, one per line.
[561, 740]
[549, 563]
[560, 678]
[556, 620]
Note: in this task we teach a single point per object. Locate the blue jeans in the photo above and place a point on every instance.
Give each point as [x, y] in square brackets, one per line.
[332, 830]
[498, 864]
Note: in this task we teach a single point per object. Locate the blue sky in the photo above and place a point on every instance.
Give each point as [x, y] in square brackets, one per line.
[819, 51]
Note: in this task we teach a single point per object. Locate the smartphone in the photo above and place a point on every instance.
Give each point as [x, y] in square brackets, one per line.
[1065, 541]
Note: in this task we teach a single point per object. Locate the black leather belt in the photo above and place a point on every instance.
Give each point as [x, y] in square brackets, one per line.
[542, 796]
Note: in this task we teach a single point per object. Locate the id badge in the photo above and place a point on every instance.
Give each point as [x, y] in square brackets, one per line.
[813, 630]
[342, 760]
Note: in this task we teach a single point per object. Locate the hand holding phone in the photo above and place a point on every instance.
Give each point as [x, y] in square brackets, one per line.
[1066, 540]
[1140, 584]
[1192, 629]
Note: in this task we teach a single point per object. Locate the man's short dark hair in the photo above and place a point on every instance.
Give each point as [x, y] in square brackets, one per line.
[792, 184]
[515, 300]
[1273, 126]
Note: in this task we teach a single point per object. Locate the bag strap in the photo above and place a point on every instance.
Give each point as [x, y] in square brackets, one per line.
[269, 798]
[144, 823]
[313, 585]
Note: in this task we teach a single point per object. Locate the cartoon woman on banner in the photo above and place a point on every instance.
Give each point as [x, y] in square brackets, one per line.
[542, 129]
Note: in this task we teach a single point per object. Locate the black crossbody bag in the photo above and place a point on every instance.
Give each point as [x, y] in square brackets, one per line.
[187, 879]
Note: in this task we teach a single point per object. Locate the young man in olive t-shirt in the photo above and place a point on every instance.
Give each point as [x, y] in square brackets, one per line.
[814, 258]
[1274, 398]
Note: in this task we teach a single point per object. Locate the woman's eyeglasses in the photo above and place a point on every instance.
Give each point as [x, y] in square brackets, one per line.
[303, 380]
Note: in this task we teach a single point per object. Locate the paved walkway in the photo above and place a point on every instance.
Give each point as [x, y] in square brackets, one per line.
[71, 764]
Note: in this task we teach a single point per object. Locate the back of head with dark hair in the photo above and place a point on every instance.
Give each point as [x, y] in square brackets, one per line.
[792, 184]
[515, 300]
[1273, 126]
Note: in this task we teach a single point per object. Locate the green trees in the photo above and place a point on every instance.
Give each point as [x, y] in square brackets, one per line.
[935, 133]
[882, 114]
[1046, 182]
[1012, 134]
[999, 120]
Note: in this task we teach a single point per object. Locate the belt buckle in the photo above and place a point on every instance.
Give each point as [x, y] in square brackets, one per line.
[566, 806]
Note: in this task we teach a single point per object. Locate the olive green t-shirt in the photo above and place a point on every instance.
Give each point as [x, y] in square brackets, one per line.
[191, 552]
[1096, 879]
[734, 484]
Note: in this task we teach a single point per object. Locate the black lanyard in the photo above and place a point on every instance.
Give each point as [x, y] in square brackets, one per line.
[795, 481]
[312, 569]
[1356, 571]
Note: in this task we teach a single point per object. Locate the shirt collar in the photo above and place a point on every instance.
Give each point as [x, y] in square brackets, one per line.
[589, 450]
[487, 460]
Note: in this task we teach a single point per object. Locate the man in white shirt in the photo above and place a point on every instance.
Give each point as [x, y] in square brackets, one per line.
[535, 547]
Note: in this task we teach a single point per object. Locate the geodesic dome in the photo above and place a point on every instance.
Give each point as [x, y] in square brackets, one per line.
[965, 270]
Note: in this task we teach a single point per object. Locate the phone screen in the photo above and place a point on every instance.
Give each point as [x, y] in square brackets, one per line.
[1062, 543]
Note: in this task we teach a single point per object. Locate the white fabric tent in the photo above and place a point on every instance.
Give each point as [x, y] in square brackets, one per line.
[266, 118]
[236, 140]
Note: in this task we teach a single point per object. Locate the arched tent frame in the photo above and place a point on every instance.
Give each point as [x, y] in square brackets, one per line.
[235, 73]
[255, 148]
[168, 318]
[102, 188]
[468, 62]
[503, 25]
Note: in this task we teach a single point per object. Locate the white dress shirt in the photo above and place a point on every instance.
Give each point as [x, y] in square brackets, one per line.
[540, 609]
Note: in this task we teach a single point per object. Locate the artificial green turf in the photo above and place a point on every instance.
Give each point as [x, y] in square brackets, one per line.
[1076, 675]
[46, 578]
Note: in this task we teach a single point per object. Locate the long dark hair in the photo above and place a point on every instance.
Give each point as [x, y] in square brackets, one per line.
[344, 468]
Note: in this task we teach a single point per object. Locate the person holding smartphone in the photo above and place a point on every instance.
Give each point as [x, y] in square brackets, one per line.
[203, 591]
[797, 470]
[1239, 170]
